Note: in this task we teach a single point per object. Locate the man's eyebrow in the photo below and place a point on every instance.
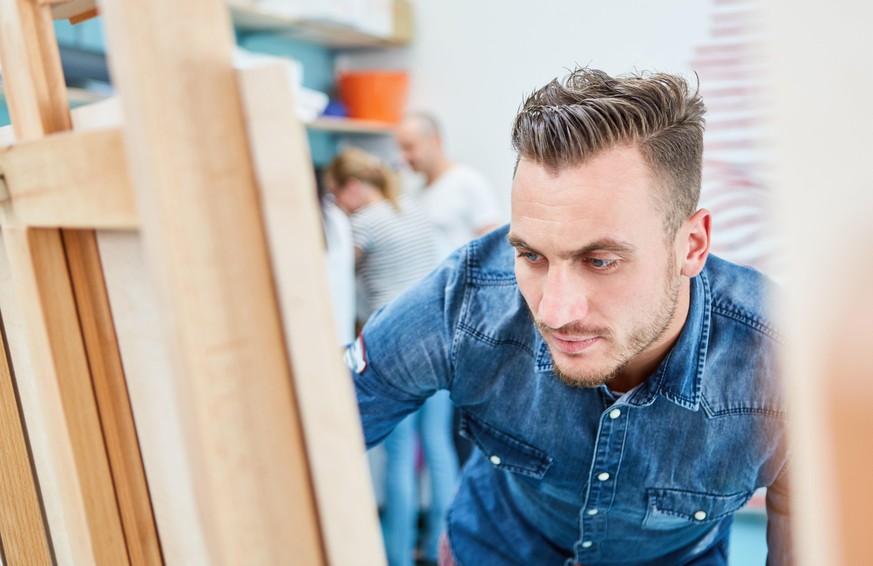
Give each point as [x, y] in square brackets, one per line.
[606, 245]
[602, 245]
[516, 242]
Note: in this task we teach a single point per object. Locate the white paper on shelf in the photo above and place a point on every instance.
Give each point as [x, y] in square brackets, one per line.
[309, 103]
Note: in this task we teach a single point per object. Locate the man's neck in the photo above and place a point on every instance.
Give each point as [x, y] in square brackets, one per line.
[646, 362]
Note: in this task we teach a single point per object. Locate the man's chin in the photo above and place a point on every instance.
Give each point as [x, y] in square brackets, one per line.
[580, 379]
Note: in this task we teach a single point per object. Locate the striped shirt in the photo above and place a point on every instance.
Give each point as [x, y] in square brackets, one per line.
[397, 249]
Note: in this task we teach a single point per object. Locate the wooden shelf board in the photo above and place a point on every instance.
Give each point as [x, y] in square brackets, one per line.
[351, 126]
[328, 34]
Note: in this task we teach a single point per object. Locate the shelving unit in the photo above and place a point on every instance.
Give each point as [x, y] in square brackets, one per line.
[254, 17]
[250, 16]
[247, 15]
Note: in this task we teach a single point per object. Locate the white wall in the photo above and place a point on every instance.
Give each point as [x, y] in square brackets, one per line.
[473, 61]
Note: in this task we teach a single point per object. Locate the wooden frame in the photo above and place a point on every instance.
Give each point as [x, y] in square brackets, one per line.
[207, 173]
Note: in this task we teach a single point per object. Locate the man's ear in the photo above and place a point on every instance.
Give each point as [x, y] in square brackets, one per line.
[694, 242]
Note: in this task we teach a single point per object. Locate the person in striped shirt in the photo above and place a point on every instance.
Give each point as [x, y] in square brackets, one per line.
[395, 246]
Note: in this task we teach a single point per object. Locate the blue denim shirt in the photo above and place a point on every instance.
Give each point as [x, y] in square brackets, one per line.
[564, 475]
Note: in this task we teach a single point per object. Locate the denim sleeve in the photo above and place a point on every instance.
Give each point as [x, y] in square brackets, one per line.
[780, 548]
[403, 354]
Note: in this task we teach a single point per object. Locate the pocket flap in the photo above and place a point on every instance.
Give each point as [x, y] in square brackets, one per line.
[673, 508]
[503, 450]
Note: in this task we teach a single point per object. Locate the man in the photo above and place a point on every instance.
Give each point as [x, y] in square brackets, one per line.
[619, 382]
[458, 198]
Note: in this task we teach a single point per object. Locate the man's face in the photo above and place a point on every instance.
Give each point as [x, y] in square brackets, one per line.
[417, 147]
[595, 269]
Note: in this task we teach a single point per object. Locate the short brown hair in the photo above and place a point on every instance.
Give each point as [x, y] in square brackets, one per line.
[567, 122]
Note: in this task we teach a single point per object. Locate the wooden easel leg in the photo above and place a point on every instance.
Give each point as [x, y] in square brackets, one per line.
[88, 528]
[110, 392]
[25, 540]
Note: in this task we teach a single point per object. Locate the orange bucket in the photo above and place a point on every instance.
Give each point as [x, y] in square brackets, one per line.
[374, 95]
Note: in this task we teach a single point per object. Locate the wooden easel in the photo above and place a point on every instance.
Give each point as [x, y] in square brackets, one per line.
[172, 389]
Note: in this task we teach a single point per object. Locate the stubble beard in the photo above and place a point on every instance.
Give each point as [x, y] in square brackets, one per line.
[643, 336]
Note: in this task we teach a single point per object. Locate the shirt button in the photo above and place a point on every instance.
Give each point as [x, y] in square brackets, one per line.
[615, 413]
[700, 515]
[587, 544]
[603, 476]
[592, 511]
[495, 460]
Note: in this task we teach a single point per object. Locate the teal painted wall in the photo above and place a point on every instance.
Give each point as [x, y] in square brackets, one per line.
[4, 113]
[87, 35]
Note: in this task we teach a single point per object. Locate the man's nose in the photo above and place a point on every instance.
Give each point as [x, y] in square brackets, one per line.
[564, 299]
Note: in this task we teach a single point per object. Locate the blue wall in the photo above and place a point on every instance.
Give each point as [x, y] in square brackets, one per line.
[4, 113]
[87, 35]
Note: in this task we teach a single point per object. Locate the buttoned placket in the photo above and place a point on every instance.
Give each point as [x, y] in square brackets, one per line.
[602, 482]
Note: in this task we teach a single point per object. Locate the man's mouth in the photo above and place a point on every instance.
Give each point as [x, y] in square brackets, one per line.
[574, 344]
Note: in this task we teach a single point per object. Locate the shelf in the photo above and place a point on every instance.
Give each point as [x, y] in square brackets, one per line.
[350, 126]
[247, 17]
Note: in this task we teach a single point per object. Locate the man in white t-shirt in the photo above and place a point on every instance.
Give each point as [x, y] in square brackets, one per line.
[459, 199]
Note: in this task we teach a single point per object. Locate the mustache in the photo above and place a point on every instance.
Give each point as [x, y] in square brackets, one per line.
[575, 328]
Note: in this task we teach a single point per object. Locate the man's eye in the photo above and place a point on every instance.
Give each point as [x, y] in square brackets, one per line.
[529, 256]
[602, 263]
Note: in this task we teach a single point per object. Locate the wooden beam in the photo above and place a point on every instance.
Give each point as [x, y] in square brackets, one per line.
[68, 180]
[85, 16]
[32, 76]
[110, 383]
[204, 239]
[113, 403]
[25, 540]
[71, 9]
[153, 388]
[328, 409]
[88, 510]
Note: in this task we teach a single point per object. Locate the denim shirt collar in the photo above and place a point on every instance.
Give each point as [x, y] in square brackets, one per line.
[679, 376]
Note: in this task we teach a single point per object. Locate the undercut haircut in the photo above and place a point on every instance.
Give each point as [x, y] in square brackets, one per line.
[569, 121]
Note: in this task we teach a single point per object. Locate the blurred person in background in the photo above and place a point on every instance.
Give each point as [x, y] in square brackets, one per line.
[458, 198]
[339, 257]
[394, 248]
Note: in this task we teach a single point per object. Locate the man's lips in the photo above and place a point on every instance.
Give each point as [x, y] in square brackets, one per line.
[574, 344]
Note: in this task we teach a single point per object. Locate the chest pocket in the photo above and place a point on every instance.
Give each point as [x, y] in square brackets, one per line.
[503, 450]
[674, 509]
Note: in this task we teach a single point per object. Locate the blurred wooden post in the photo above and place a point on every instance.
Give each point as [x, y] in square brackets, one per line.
[822, 73]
